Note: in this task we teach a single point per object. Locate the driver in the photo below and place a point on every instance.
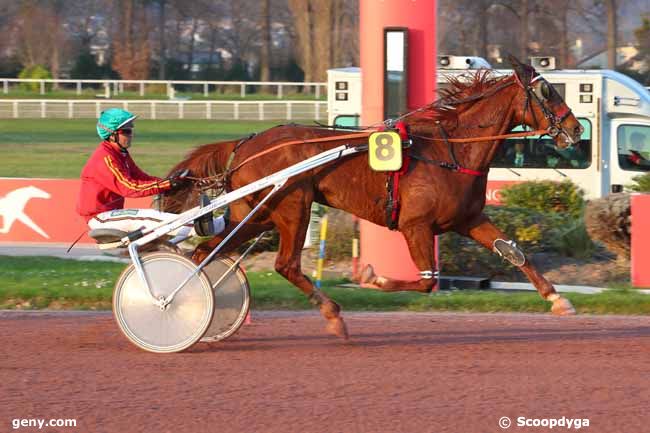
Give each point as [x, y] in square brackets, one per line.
[637, 155]
[110, 175]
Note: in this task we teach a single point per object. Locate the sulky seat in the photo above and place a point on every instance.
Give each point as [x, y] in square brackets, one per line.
[108, 238]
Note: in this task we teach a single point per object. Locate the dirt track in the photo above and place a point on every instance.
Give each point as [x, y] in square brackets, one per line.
[401, 372]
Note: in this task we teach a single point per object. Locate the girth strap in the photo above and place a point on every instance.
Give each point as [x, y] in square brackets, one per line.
[392, 183]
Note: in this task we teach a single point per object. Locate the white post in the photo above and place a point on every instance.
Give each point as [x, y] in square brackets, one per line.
[116, 90]
[317, 106]
[236, 111]
[42, 87]
[261, 110]
[242, 90]
[181, 110]
[70, 109]
[141, 89]
[5, 86]
[43, 112]
[125, 105]
[317, 91]
[15, 107]
[153, 111]
[97, 108]
[289, 113]
[208, 111]
[121, 87]
[205, 89]
[279, 91]
[78, 87]
[107, 90]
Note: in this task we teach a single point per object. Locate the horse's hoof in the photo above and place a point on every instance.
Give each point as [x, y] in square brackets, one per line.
[367, 275]
[562, 307]
[336, 326]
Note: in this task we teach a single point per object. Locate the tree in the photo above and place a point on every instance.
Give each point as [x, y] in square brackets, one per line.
[642, 35]
[132, 53]
[301, 10]
[612, 31]
[41, 37]
[162, 56]
[265, 49]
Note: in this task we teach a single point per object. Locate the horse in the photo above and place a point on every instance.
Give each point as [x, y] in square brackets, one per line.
[443, 187]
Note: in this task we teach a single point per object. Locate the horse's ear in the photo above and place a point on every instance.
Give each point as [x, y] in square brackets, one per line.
[524, 72]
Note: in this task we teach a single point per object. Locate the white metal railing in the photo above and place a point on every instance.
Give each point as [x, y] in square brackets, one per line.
[115, 87]
[155, 109]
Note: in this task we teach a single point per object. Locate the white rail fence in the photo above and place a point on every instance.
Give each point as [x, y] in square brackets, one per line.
[115, 87]
[152, 109]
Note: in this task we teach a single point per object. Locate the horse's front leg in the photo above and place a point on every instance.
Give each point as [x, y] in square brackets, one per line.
[419, 239]
[291, 218]
[488, 235]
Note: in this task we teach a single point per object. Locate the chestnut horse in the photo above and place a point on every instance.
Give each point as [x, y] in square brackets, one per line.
[443, 189]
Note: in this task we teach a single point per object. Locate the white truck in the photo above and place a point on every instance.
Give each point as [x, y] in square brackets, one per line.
[613, 108]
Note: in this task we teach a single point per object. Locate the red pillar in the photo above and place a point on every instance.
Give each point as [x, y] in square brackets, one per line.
[640, 248]
[386, 250]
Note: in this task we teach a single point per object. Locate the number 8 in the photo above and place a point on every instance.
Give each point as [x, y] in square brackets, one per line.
[384, 143]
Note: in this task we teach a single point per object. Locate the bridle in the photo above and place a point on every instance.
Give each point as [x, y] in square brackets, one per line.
[541, 93]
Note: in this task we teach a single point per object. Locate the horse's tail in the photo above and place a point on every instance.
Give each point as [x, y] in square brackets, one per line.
[207, 160]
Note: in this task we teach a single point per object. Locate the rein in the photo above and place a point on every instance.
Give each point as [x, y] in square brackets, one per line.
[364, 134]
[488, 138]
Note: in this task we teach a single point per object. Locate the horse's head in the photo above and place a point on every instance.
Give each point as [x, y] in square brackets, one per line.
[205, 162]
[542, 107]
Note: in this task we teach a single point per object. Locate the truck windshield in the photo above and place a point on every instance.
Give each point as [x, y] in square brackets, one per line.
[633, 142]
[533, 152]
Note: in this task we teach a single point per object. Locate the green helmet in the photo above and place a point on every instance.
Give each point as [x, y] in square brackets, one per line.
[111, 120]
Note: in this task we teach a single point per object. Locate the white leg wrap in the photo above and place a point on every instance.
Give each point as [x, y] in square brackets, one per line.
[429, 275]
[553, 297]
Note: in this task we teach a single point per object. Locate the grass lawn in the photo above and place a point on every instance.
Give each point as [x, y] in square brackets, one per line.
[58, 148]
[40, 282]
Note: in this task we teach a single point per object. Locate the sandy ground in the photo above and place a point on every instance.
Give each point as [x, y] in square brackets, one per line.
[400, 372]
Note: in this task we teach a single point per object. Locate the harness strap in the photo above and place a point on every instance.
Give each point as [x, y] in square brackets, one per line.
[449, 166]
[393, 202]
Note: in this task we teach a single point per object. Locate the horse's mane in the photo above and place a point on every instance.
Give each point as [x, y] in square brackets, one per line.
[451, 101]
[206, 160]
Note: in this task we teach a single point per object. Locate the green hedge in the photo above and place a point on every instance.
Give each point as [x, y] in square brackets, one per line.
[546, 196]
[34, 72]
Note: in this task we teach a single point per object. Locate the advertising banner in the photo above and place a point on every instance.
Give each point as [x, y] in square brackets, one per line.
[43, 211]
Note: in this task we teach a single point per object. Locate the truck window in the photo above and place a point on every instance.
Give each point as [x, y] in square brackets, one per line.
[633, 143]
[533, 152]
[346, 121]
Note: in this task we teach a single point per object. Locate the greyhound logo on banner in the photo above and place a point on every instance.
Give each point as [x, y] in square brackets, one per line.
[12, 208]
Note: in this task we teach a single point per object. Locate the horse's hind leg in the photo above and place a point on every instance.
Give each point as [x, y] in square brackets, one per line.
[292, 220]
[420, 243]
[488, 235]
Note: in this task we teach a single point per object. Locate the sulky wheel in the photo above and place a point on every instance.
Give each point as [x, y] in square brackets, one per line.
[171, 328]
[231, 299]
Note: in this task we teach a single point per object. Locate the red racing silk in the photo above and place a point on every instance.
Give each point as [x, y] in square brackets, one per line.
[111, 175]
